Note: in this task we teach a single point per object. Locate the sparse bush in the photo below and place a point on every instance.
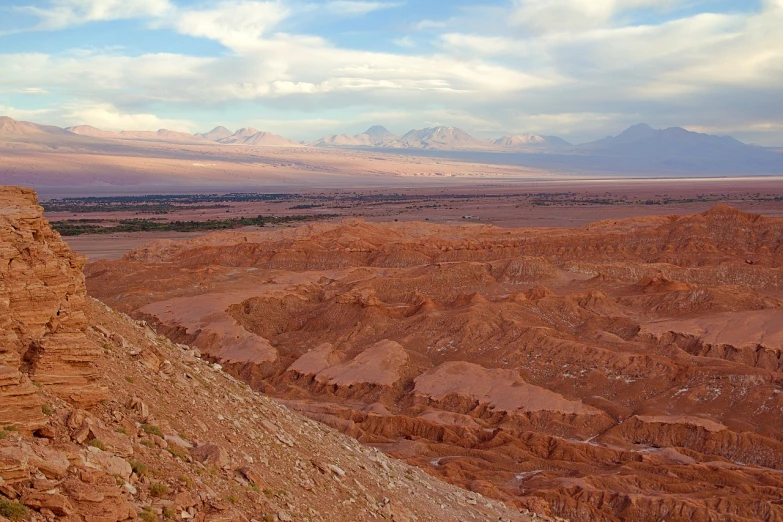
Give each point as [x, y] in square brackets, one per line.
[3, 435]
[168, 512]
[96, 443]
[12, 510]
[46, 409]
[158, 489]
[130, 379]
[178, 452]
[151, 429]
[148, 516]
[232, 498]
[10, 428]
[121, 429]
[148, 443]
[139, 468]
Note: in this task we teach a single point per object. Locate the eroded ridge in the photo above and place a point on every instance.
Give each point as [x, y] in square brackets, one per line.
[626, 370]
[104, 420]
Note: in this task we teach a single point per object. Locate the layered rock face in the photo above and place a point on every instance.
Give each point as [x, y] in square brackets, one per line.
[174, 438]
[42, 315]
[629, 370]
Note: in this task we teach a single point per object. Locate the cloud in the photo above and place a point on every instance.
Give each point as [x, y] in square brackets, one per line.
[354, 8]
[33, 90]
[557, 67]
[406, 42]
[65, 13]
[107, 117]
[544, 16]
[235, 24]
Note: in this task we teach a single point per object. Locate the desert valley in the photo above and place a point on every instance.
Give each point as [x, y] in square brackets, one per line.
[577, 347]
[358, 260]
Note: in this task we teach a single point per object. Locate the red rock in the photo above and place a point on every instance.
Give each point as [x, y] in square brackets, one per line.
[56, 503]
[211, 454]
[42, 319]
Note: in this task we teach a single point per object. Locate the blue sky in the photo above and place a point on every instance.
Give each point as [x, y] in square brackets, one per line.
[580, 69]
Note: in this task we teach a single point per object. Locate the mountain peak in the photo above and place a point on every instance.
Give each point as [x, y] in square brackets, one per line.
[216, 134]
[640, 130]
[378, 131]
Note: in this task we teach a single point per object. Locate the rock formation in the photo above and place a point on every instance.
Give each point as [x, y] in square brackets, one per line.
[42, 316]
[103, 420]
[584, 373]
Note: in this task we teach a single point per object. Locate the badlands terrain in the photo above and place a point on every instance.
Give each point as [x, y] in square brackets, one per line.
[629, 369]
[104, 420]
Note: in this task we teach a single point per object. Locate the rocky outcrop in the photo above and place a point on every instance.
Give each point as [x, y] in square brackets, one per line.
[42, 315]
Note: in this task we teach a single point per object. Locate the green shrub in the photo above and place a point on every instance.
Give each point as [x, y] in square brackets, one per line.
[158, 489]
[130, 379]
[46, 409]
[12, 510]
[168, 512]
[151, 429]
[148, 516]
[139, 468]
[178, 452]
[3, 435]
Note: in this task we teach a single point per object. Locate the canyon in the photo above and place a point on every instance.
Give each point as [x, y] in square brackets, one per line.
[629, 369]
[102, 419]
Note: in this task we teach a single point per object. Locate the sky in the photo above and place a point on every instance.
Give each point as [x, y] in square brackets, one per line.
[578, 69]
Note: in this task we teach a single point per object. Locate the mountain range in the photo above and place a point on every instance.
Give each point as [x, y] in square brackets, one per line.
[638, 149]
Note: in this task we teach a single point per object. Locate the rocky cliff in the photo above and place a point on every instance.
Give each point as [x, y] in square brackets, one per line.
[42, 316]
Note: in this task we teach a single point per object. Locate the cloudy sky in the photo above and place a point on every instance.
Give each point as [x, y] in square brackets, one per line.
[580, 69]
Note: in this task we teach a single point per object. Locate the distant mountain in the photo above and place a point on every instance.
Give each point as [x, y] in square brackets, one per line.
[250, 136]
[343, 140]
[239, 136]
[160, 135]
[216, 134]
[643, 139]
[267, 139]
[10, 127]
[442, 138]
[89, 130]
[379, 132]
[530, 141]
[375, 136]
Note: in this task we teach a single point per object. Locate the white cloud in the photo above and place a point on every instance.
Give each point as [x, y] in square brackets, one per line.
[235, 24]
[64, 13]
[406, 42]
[554, 66]
[354, 7]
[543, 16]
[107, 117]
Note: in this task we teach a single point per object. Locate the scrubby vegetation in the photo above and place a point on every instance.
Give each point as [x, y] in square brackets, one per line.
[77, 227]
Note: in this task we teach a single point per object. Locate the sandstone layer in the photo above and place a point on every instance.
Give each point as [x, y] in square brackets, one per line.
[124, 424]
[585, 373]
[42, 315]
